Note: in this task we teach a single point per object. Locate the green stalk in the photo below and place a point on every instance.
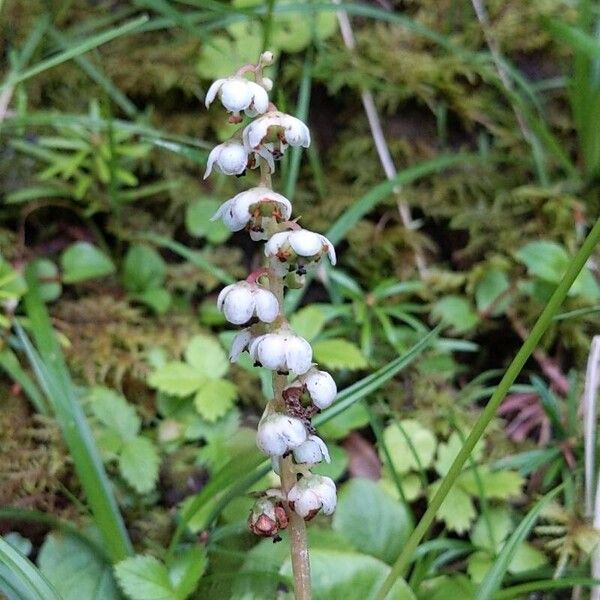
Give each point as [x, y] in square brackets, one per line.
[515, 367]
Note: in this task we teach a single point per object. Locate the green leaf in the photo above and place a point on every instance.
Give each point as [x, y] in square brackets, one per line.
[214, 398]
[138, 464]
[488, 291]
[526, 558]
[371, 519]
[75, 570]
[337, 353]
[338, 465]
[114, 412]
[499, 521]
[158, 299]
[478, 564]
[49, 279]
[337, 428]
[456, 312]
[411, 446]
[145, 578]
[198, 223]
[176, 378]
[143, 269]
[187, 569]
[207, 356]
[449, 450]
[82, 260]
[457, 510]
[308, 322]
[11, 281]
[497, 485]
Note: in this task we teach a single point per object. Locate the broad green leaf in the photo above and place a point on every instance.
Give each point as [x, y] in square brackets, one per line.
[198, 223]
[82, 260]
[456, 312]
[49, 279]
[114, 412]
[446, 588]
[176, 379]
[187, 569]
[488, 291]
[337, 353]
[341, 575]
[457, 510]
[207, 356]
[143, 269]
[214, 398]
[145, 578]
[497, 485]
[308, 322]
[158, 299]
[526, 558]
[138, 464]
[448, 451]
[499, 522]
[337, 428]
[75, 570]
[411, 446]
[373, 521]
[478, 564]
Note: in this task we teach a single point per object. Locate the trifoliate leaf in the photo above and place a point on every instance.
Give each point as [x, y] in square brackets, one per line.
[337, 353]
[214, 398]
[449, 450]
[145, 578]
[177, 379]
[456, 312]
[138, 464]
[457, 510]
[308, 322]
[198, 223]
[497, 485]
[75, 570]
[411, 446]
[143, 269]
[82, 260]
[207, 356]
[114, 412]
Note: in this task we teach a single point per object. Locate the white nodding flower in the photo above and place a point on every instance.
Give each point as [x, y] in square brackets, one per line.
[298, 248]
[241, 301]
[282, 351]
[320, 386]
[312, 451]
[276, 126]
[237, 93]
[240, 342]
[230, 158]
[255, 208]
[278, 434]
[311, 494]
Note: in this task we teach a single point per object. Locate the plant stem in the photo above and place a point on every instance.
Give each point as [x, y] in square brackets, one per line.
[529, 345]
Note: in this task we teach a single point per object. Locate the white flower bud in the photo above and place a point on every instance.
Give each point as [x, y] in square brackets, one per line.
[229, 158]
[255, 208]
[282, 351]
[237, 93]
[240, 301]
[267, 58]
[312, 451]
[311, 494]
[294, 250]
[320, 386]
[267, 83]
[240, 343]
[278, 434]
[276, 126]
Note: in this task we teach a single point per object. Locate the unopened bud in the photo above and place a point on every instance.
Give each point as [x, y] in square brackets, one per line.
[267, 517]
[266, 58]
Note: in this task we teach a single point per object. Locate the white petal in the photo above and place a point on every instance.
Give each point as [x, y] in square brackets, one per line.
[260, 100]
[223, 293]
[232, 159]
[330, 250]
[212, 157]
[264, 152]
[298, 354]
[267, 307]
[305, 243]
[296, 132]
[221, 211]
[306, 503]
[240, 206]
[212, 91]
[238, 307]
[239, 344]
[235, 94]
[256, 131]
[321, 388]
[312, 451]
[276, 242]
[271, 352]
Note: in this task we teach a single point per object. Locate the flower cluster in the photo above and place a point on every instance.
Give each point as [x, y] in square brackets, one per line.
[285, 432]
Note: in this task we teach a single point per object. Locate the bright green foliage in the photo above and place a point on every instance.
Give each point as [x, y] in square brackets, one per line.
[198, 223]
[337, 353]
[82, 261]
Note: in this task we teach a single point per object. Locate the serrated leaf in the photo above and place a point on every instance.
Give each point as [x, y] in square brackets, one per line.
[308, 322]
[457, 510]
[82, 260]
[114, 412]
[138, 464]
[411, 446]
[337, 353]
[145, 578]
[207, 356]
[73, 568]
[456, 312]
[176, 378]
[497, 485]
[214, 398]
[187, 569]
[143, 269]
[198, 223]
[449, 450]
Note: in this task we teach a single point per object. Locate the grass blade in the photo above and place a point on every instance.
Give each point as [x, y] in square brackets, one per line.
[524, 589]
[10, 364]
[54, 378]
